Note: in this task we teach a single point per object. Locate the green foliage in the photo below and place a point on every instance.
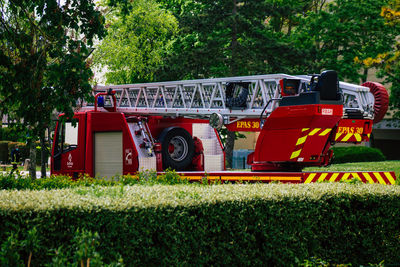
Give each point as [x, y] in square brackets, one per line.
[11, 134]
[83, 251]
[259, 224]
[344, 33]
[10, 181]
[356, 154]
[137, 42]
[43, 50]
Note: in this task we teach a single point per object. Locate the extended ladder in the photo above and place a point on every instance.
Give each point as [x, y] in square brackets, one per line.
[201, 98]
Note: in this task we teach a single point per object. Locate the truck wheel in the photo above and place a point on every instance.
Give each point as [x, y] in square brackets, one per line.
[381, 99]
[177, 148]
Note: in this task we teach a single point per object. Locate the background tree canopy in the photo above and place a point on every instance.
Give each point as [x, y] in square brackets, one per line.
[44, 46]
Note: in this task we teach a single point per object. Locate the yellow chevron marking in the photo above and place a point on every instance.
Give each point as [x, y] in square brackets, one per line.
[305, 129]
[325, 132]
[337, 136]
[295, 154]
[345, 176]
[358, 137]
[355, 175]
[347, 137]
[322, 177]
[379, 177]
[368, 177]
[310, 178]
[390, 177]
[301, 140]
[333, 177]
[314, 131]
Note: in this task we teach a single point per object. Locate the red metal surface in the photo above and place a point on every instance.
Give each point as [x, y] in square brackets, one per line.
[296, 136]
[245, 125]
[353, 131]
[388, 178]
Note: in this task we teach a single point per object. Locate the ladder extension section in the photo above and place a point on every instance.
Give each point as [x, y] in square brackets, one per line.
[201, 98]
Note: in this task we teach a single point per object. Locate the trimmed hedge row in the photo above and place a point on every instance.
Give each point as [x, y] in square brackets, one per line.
[259, 224]
[147, 177]
[357, 154]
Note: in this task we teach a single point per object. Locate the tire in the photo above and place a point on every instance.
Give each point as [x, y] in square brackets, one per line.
[177, 148]
[381, 99]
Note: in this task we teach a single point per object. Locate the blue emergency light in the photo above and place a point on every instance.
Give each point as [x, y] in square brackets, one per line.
[100, 101]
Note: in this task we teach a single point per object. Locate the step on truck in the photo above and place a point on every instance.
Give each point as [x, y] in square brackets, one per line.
[154, 126]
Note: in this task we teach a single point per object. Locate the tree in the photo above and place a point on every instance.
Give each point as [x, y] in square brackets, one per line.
[44, 46]
[138, 40]
[389, 61]
[231, 38]
[343, 34]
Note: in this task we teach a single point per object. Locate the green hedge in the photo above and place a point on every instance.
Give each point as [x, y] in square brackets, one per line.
[356, 154]
[185, 225]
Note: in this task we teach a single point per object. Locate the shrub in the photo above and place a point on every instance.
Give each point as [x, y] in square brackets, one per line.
[356, 154]
[259, 224]
[146, 177]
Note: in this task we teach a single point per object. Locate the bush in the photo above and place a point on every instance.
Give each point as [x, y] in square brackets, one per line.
[356, 154]
[259, 224]
[12, 181]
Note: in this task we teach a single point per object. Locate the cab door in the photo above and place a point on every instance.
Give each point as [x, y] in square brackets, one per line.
[69, 146]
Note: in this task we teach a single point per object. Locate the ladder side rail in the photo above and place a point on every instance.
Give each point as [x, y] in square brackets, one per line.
[213, 95]
[182, 95]
[255, 89]
[153, 105]
[164, 98]
[223, 97]
[201, 92]
[145, 97]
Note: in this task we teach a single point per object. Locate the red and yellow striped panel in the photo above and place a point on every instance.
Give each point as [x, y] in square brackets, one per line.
[305, 132]
[366, 177]
[349, 137]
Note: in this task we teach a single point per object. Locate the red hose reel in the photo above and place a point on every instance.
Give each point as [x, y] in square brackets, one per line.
[381, 99]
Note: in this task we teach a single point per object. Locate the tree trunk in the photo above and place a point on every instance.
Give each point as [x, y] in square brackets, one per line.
[32, 157]
[230, 142]
[365, 76]
[43, 161]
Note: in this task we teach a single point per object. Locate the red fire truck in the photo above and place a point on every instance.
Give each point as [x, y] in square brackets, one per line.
[134, 127]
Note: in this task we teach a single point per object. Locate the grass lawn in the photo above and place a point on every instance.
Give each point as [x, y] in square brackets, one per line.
[389, 165]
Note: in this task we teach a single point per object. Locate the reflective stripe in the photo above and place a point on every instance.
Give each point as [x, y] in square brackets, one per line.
[337, 136]
[389, 177]
[345, 176]
[322, 177]
[347, 137]
[379, 177]
[314, 131]
[325, 132]
[368, 177]
[310, 178]
[305, 129]
[358, 137]
[355, 175]
[295, 154]
[301, 140]
[333, 177]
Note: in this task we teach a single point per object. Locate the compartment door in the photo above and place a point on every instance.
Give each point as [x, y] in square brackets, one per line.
[107, 154]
